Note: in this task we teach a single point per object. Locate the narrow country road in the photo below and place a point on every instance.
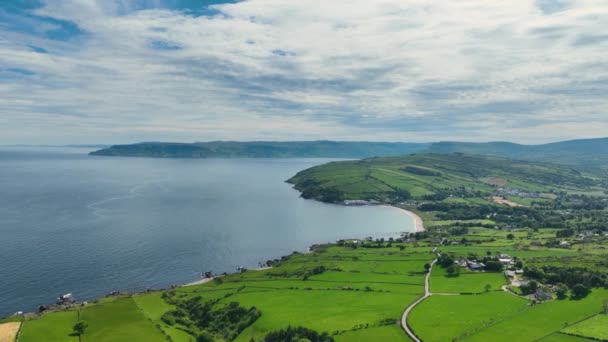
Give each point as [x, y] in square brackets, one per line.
[427, 293]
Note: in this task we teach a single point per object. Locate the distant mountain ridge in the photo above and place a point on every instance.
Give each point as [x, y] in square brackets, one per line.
[582, 152]
[263, 149]
[591, 153]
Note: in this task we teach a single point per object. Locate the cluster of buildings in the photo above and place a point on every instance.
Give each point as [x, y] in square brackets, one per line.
[516, 192]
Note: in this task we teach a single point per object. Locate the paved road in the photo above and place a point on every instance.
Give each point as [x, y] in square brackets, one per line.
[427, 293]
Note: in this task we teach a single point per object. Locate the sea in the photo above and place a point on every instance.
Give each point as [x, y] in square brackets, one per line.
[88, 225]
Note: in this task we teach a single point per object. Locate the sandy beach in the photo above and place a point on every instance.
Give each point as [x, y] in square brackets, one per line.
[419, 224]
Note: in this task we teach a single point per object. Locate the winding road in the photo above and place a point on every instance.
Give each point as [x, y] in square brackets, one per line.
[427, 293]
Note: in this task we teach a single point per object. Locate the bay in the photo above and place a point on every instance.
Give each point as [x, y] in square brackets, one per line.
[87, 225]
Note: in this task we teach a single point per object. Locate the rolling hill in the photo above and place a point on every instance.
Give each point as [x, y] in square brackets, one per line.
[432, 176]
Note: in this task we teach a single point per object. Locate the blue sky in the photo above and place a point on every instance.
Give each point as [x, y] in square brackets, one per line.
[120, 71]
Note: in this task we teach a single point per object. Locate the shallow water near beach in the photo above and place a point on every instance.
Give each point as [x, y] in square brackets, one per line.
[90, 225]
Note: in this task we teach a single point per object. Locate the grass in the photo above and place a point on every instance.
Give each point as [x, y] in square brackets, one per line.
[119, 320]
[544, 319]
[153, 307]
[595, 327]
[56, 326]
[444, 318]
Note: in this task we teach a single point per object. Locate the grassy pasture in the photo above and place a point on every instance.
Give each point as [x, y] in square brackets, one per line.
[544, 319]
[118, 320]
[444, 318]
[56, 326]
[595, 327]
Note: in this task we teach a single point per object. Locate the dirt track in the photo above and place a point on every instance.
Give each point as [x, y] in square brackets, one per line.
[8, 331]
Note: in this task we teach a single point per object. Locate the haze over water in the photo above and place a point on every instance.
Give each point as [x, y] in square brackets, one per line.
[90, 225]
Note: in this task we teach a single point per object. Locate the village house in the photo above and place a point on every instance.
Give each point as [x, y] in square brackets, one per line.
[505, 259]
[476, 266]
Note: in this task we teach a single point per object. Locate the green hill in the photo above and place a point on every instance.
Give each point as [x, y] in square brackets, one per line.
[433, 176]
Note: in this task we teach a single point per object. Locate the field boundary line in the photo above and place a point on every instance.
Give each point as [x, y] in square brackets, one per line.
[569, 325]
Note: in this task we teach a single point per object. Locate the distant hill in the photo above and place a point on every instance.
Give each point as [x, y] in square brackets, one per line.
[582, 153]
[433, 176]
[263, 149]
[588, 153]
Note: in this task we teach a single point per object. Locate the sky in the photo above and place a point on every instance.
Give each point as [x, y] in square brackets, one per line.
[120, 71]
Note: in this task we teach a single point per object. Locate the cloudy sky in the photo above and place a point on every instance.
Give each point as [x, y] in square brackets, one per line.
[120, 71]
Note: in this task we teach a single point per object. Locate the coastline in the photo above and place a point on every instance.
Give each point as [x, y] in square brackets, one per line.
[418, 222]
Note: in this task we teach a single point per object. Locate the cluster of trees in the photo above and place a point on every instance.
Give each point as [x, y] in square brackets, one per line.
[568, 275]
[297, 334]
[532, 217]
[205, 320]
[329, 195]
[311, 272]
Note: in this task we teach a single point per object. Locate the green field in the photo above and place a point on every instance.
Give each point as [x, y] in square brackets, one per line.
[544, 319]
[56, 326]
[595, 327]
[118, 320]
[444, 318]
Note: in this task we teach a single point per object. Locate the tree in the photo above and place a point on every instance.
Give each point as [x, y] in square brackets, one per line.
[493, 266]
[80, 327]
[580, 291]
[446, 261]
[487, 288]
[427, 267]
[205, 336]
[510, 236]
[605, 306]
[452, 271]
[297, 334]
[561, 291]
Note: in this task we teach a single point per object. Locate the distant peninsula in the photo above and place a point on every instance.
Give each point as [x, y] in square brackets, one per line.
[583, 153]
[263, 149]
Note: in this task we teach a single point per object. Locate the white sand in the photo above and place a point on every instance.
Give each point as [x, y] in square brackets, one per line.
[419, 224]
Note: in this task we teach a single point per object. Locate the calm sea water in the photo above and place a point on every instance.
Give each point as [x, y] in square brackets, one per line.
[89, 225]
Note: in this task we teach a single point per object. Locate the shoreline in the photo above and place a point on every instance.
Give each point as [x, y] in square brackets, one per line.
[206, 280]
[418, 222]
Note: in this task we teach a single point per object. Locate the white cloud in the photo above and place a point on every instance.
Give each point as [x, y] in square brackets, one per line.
[274, 69]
